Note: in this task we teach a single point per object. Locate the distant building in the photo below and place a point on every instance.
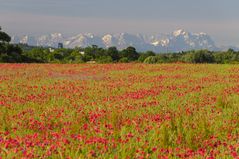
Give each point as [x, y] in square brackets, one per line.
[91, 62]
[82, 52]
[51, 50]
[60, 45]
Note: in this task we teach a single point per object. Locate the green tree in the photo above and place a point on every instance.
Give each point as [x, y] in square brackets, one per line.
[91, 52]
[75, 56]
[151, 60]
[203, 56]
[38, 54]
[143, 56]
[104, 59]
[230, 50]
[130, 53]
[187, 57]
[4, 37]
[124, 60]
[9, 52]
[200, 56]
[113, 53]
[13, 53]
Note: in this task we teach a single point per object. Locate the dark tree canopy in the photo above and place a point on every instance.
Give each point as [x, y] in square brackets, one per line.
[114, 53]
[131, 53]
[4, 37]
[9, 52]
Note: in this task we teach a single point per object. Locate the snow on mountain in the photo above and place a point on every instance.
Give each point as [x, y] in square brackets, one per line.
[83, 40]
[136, 40]
[26, 40]
[15, 39]
[179, 32]
[179, 40]
[50, 40]
[109, 40]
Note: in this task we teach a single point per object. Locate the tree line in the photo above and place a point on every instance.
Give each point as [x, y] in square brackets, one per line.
[22, 53]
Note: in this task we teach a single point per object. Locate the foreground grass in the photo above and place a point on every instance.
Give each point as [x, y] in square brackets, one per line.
[119, 111]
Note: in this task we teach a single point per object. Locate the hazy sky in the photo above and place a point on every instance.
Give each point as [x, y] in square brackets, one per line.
[218, 18]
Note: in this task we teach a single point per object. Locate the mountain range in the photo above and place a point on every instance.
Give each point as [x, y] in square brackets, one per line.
[179, 40]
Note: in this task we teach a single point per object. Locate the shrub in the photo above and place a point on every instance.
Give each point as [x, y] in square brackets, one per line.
[124, 60]
[104, 59]
[151, 60]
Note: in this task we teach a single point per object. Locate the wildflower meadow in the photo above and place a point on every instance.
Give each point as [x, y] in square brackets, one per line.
[119, 111]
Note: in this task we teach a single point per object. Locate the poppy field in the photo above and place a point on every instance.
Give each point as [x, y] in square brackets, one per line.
[119, 111]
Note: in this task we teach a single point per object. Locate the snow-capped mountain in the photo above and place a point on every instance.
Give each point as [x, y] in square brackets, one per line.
[179, 40]
[50, 40]
[83, 40]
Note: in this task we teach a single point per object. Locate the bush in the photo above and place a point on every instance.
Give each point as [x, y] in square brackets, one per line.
[200, 56]
[188, 58]
[130, 53]
[13, 58]
[203, 57]
[143, 56]
[104, 59]
[151, 60]
[124, 60]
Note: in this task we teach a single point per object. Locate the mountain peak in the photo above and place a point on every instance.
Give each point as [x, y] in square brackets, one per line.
[56, 35]
[179, 40]
[179, 32]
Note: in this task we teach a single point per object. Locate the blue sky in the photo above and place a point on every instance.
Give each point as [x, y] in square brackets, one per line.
[218, 18]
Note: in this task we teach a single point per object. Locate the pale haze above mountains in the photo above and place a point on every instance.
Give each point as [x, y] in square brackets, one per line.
[179, 40]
